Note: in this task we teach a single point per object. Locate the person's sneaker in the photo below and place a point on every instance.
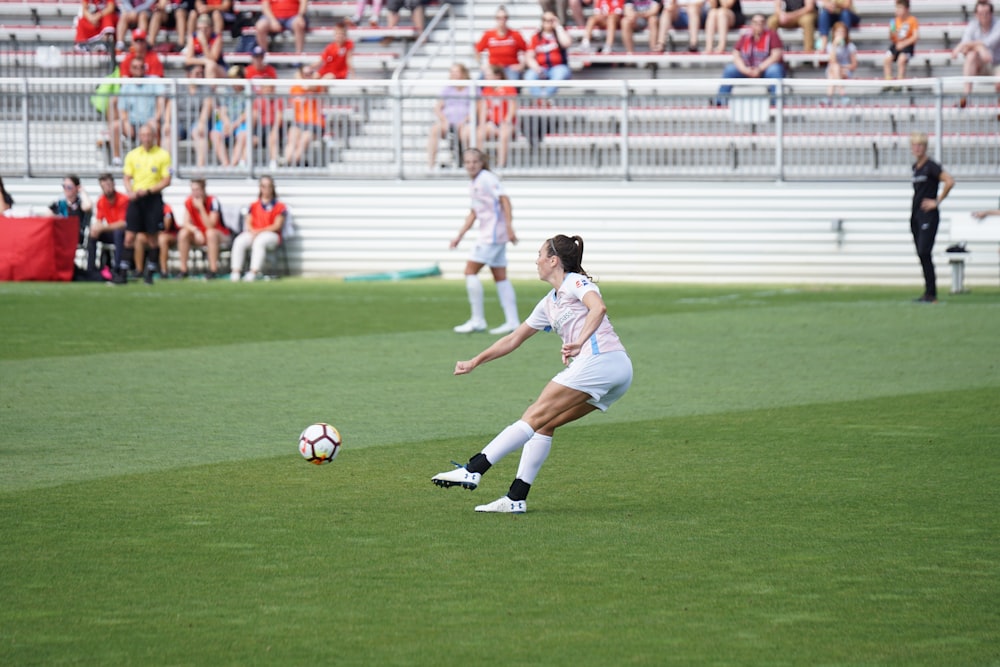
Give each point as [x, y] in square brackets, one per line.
[926, 298]
[120, 277]
[470, 327]
[504, 505]
[234, 276]
[460, 476]
[210, 275]
[250, 277]
[504, 329]
[147, 276]
[106, 273]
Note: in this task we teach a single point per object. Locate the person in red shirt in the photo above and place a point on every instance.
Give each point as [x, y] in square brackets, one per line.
[257, 69]
[497, 110]
[202, 228]
[758, 53]
[108, 225]
[97, 20]
[204, 48]
[140, 50]
[504, 46]
[262, 232]
[335, 61]
[278, 16]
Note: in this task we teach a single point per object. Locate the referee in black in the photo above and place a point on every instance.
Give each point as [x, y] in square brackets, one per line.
[925, 215]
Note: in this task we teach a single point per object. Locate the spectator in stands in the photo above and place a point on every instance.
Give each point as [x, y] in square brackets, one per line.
[359, 13]
[309, 122]
[843, 56]
[76, 203]
[335, 61]
[166, 239]
[267, 113]
[194, 114]
[925, 211]
[546, 57]
[97, 20]
[682, 15]
[171, 14]
[607, 14]
[278, 16]
[204, 48]
[229, 131]
[452, 114]
[140, 102]
[980, 46]
[202, 228]
[148, 172]
[108, 225]
[497, 112]
[641, 15]
[505, 47]
[832, 11]
[261, 232]
[132, 14]
[796, 14]
[904, 30]
[416, 8]
[491, 207]
[723, 16]
[257, 69]
[6, 201]
[219, 11]
[758, 54]
[140, 51]
[557, 7]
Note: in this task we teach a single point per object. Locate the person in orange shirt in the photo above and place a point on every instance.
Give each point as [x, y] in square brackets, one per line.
[335, 61]
[278, 16]
[497, 110]
[308, 123]
[108, 225]
[903, 31]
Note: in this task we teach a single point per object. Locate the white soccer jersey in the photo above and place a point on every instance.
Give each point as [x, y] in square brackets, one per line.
[564, 312]
[486, 190]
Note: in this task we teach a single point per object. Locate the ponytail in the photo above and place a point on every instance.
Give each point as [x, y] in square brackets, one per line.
[569, 250]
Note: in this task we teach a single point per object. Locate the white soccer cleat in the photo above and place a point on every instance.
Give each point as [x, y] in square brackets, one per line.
[504, 329]
[472, 326]
[504, 506]
[460, 476]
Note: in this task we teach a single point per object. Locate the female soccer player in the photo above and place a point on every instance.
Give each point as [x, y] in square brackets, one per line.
[598, 372]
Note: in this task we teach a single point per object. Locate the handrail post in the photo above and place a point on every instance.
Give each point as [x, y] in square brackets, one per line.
[624, 131]
[779, 130]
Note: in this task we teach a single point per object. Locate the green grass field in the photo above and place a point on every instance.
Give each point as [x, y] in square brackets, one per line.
[797, 477]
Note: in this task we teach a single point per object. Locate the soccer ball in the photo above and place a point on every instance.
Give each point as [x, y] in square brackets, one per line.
[319, 443]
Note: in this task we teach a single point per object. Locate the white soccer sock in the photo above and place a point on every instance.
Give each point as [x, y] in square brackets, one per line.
[508, 440]
[474, 287]
[533, 456]
[508, 301]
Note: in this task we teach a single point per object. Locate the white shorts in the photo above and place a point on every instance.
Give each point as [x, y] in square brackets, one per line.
[493, 255]
[606, 377]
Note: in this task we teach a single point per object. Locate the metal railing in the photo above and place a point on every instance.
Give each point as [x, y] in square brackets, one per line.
[628, 129]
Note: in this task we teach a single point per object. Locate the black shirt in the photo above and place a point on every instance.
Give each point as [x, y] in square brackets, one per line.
[926, 180]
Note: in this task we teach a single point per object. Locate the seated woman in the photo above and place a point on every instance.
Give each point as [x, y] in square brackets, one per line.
[261, 232]
[547, 55]
[497, 109]
[452, 114]
[204, 47]
[229, 134]
[723, 16]
[309, 122]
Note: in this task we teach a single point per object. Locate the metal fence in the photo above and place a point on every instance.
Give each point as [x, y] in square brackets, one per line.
[647, 129]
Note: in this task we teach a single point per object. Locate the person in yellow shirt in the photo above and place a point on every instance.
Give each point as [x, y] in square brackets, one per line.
[147, 173]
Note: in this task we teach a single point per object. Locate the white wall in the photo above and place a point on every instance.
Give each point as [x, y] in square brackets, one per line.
[697, 232]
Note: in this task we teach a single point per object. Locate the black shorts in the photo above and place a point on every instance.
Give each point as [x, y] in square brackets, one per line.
[145, 215]
[894, 52]
[395, 5]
